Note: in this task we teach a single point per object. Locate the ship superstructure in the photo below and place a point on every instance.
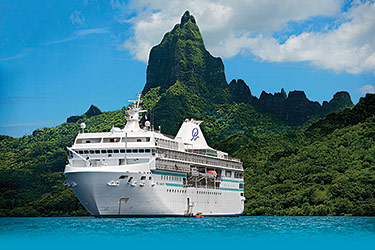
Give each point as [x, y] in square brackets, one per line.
[141, 172]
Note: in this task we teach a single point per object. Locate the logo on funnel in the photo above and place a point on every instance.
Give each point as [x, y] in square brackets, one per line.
[194, 133]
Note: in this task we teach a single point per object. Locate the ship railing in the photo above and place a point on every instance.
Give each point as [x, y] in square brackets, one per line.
[234, 159]
[172, 168]
[195, 158]
[226, 157]
[207, 186]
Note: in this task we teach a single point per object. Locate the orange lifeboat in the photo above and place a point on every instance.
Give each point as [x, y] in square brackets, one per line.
[213, 172]
[198, 215]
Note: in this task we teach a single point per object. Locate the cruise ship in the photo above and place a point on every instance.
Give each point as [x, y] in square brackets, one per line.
[140, 172]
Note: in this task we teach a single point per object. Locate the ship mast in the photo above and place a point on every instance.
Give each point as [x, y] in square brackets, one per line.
[132, 124]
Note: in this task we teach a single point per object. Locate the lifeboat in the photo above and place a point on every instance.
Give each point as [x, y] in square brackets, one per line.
[198, 215]
[212, 172]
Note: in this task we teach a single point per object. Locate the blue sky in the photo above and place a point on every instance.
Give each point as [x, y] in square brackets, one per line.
[59, 57]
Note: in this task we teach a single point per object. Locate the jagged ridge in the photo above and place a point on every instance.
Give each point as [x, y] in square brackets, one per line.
[191, 81]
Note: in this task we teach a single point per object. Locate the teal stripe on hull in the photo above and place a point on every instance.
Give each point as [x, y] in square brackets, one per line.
[174, 185]
[169, 174]
[232, 189]
[232, 181]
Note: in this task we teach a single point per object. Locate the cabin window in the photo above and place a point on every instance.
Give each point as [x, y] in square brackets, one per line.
[89, 140]
[123, 177]
[91, 151]
[97, 151]
[86, 151]
[139, 140]
[228, 173]
[116, 151]
[104, 151]
[238, 175]
[241, 185]
[115, 139]
[130, 179]
[135, 150]
[147, 150]
[80, 151]
[122, 150]
[141, 150]
[109, 151]
[128, 151]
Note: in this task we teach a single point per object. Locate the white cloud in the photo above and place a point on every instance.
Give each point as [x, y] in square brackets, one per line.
[349, 48]
[77, 18]
[246, 26]
[81, 33]
[367, 89]
[218, 20]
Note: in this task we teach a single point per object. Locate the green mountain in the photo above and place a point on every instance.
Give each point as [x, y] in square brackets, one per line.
[325, 168]
[189, 82]
[295, 109]
[93, 111]
[182, 57]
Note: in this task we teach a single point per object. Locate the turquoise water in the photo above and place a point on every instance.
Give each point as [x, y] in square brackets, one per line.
[189, 233]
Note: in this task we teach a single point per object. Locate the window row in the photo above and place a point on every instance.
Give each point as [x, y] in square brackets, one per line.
[143, 178]
[116, 151]
[207, 192]
[112, 140]
[176, 191]
[166, 143]
[170, 178]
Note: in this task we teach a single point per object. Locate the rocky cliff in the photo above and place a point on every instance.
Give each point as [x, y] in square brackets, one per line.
[189, 81]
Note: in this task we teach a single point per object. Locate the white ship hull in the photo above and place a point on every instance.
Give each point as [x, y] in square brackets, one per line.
[103, 194]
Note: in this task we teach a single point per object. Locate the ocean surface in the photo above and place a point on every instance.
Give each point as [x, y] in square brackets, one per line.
[188, 233]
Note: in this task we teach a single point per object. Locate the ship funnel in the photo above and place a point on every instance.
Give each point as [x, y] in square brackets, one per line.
[191, 134]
